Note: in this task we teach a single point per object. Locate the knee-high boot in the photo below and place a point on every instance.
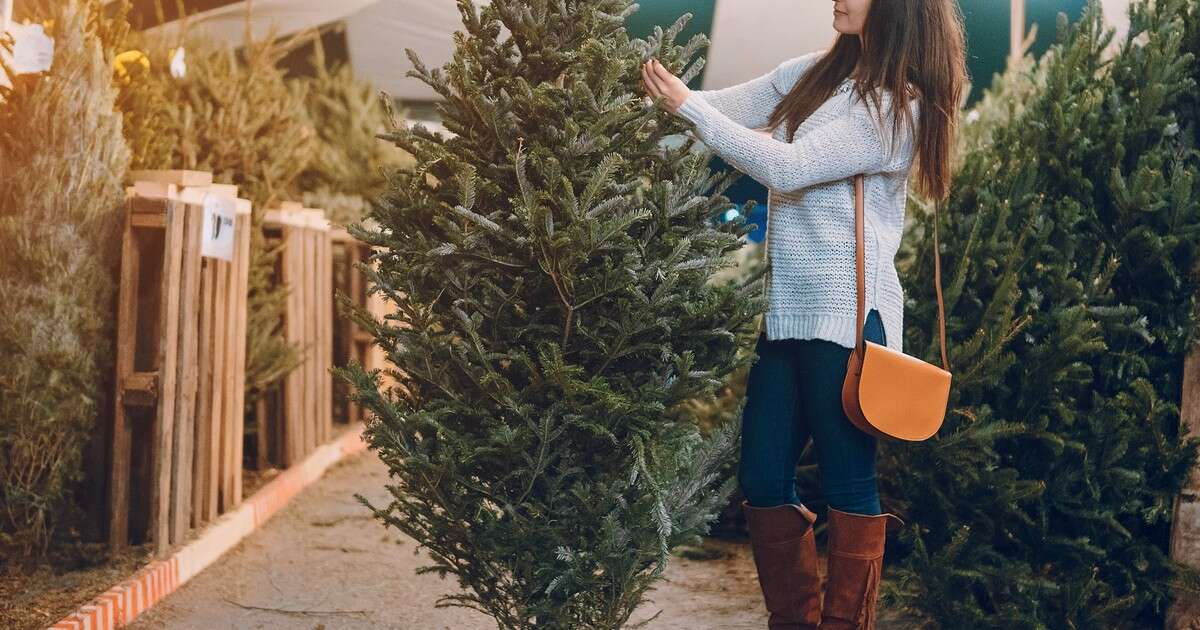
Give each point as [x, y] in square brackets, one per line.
[785, 554]
[855, 562]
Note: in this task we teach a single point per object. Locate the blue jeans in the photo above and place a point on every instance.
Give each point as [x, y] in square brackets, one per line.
[794, 392]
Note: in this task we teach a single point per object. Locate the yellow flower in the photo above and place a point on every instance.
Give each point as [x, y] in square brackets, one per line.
[128, 63]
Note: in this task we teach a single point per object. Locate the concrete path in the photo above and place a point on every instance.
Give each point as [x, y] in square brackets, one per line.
[324, 563]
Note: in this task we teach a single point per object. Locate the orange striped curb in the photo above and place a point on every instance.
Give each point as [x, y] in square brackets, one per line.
[122, 603]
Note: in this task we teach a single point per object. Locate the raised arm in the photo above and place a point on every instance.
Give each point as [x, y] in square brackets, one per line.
[750, 104]
[845, 146]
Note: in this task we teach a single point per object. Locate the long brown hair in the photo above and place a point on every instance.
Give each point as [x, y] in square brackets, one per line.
[916, 51]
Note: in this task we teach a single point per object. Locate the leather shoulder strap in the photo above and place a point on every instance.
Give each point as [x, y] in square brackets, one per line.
[860, 278]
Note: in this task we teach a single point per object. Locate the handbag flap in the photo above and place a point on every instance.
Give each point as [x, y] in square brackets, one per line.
[900, 394]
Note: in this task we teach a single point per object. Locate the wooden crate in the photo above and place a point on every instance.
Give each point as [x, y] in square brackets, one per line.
[354, 343]
[180, 365]
[1185, 521]
[304, 407]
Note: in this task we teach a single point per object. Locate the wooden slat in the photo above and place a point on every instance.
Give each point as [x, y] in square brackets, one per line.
[177, 177]
[220, 362]
[354, 255]
[325, 293]
[204, 509]
[187, 379]
[312, 353]
[140, 389]
[160, 484]
[118, 473]
[231, 427]
[242, 274]
[143, 220]
[155, 189]
[293, 398]
[1185, 527]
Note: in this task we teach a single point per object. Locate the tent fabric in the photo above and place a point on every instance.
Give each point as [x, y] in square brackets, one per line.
[748, 37]
[228, 23]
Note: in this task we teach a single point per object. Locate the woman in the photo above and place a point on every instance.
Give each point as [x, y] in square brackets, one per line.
[838, 106]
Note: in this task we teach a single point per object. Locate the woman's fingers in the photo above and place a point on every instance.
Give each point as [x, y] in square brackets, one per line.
[646, 80]
[646, 84]
[652, 80]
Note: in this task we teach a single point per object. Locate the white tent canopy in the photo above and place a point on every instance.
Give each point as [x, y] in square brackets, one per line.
[749, 37]
[378, 31]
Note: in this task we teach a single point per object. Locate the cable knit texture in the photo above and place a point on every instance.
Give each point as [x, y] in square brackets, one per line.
[810, 201]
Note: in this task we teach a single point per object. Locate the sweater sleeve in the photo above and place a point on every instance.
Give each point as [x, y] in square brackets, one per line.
[750, 104]
[838, 149]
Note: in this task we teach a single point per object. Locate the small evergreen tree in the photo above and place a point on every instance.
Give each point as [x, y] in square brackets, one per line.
[551, 265]
[1069, 245]
[349, 162]
[62, 159]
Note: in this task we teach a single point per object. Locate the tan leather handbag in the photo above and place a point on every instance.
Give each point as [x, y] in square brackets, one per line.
[887, 393]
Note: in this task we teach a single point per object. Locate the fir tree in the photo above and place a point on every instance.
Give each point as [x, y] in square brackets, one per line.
[62, 159]
[349, 162]
[551, 264]
[1069, 250]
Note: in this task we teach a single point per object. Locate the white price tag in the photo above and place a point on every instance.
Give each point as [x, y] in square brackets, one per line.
[33, 50]
[217, 238]
[178, 63]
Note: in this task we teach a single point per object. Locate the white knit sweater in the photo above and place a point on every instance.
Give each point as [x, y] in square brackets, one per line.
[810, 201]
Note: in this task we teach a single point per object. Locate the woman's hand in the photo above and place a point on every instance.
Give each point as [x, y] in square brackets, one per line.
[659, 82]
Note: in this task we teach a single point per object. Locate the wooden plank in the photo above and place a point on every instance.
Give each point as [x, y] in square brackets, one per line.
[140, 389]
[262, 454]
[118, 473]
[1185, 522]
[219, 362]
[204, 503]
[195, 194]
[220, 384]
[140, 220]
[294, 400]
[311, 353]
[177, 177]
[155, 189]
[232, 428]
[330, 322]
[325, 334]
[242, 274]
[164, 421]
[354, 252]
[319, 268]
[187, 379]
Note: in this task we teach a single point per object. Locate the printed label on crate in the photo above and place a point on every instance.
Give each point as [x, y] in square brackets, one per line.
[217, 239]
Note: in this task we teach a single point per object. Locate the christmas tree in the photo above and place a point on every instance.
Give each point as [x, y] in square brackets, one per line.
[551, 267]
[62, 157]
[349, 161]
[1070, 242]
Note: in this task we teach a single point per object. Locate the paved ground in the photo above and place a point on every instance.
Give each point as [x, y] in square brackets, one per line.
[324, 563]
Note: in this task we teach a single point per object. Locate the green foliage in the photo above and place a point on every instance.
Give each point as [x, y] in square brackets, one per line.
[234, 114]
[63, 158]
[1070, 249]
[349, 161]
[551, 268]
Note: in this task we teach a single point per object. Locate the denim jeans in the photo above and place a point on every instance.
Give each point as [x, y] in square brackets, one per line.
[794, 392]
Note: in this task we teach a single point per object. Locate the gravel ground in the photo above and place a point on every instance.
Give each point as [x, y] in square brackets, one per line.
[323, 562]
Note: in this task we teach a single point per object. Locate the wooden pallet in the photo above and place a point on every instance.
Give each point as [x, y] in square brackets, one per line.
[354, 343]
[305, 406]
[180, 366]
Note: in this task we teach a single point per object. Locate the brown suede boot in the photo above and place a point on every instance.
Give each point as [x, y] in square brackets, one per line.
[785, 553]
[854, 566]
